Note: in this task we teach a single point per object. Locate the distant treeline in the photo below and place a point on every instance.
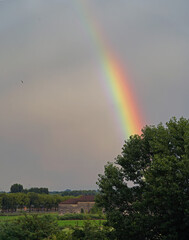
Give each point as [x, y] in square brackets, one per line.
[11, 202]
[36, 199]
[16, 188]
[36, 190]
[76, 193]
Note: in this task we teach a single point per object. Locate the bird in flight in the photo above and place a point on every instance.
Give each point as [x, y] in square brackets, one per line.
[22, 81]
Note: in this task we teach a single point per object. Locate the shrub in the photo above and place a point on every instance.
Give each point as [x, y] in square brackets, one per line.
[80, 216]
[31, 227]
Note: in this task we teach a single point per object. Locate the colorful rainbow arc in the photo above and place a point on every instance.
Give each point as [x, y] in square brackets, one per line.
[116, 79]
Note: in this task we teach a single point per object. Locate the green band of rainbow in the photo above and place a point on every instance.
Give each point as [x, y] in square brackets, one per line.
[115, 77]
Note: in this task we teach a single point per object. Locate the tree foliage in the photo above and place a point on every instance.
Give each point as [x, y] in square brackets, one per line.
[37, 190]
[31, 227]
[89, 231]
[145, 193]
[78, 192]
[15, 188]
[32, 201]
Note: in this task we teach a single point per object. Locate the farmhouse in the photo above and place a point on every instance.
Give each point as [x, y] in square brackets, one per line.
[76, 205]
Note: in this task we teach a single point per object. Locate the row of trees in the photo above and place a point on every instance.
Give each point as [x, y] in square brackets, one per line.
[16, 188]
[32, 201]
[79, 192]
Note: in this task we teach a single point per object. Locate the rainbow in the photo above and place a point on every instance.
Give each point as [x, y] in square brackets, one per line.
[115, 78]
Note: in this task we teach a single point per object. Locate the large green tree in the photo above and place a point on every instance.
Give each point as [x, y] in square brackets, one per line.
[145, 193]
[15, 188]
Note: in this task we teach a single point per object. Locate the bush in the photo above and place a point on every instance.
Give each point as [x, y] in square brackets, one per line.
[31, 227]
[90, 231]
[80, 216]
[72, 216]
[87, 232]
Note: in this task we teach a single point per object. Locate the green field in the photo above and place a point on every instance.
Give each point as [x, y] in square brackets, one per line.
[61, 223]
[14, 217]
[8, 218]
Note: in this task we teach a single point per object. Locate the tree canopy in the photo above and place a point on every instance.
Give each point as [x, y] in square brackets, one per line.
[40, 190]
[145, 192]
[15, 188]
[11, 202]
[78, 192]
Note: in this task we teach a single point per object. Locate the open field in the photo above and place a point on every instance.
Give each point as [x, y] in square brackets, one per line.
[61, 223]
[8, 218]
[13, 217]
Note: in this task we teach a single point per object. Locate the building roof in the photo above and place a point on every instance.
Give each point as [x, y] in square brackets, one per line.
[88, 198]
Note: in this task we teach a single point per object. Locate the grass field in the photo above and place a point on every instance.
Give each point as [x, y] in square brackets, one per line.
[13, 217]
[8, 218]
[61, 223]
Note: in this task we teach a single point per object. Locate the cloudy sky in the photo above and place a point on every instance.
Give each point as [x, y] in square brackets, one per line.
[58, 128]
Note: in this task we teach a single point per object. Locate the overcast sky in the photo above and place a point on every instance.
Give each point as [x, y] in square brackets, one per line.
[57, 128]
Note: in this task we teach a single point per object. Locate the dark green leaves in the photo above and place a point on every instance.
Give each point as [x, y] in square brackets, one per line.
[146, 192]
